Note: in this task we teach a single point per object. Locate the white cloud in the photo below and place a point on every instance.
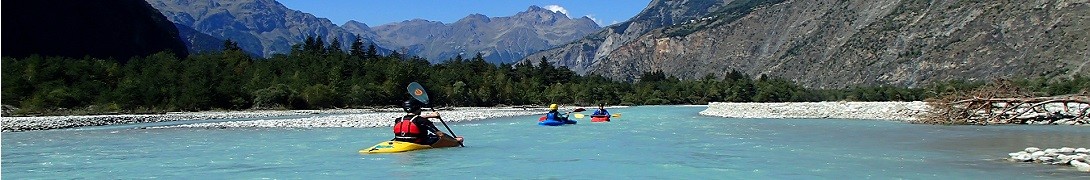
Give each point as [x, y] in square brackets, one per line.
[596, 21]
[557, 8]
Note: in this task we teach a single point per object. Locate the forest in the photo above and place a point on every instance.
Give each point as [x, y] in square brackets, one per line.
[320, 75]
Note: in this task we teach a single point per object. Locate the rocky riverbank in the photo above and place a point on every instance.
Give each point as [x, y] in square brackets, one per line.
[366, 120]
[899, 111]
[1077, 157]
[15, 124]
[308, 118]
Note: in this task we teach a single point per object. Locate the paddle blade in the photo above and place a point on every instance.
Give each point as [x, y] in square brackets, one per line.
[418, 92]
[578, 116]
[616, 115]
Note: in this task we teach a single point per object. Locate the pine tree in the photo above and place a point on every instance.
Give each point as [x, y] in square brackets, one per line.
[229, 45]
[371, 52]
[335, 46]
[356, 49]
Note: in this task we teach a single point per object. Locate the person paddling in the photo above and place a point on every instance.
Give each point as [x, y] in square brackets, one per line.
[601, 111]
[554, 115]
[414, 127]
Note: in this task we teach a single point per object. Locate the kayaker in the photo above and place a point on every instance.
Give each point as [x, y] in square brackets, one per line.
[601, 110]
[554, 115]
[415, 127]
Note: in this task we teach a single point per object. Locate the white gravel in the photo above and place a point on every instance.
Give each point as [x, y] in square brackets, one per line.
[316, 118]
[899, 111]
[366, 120]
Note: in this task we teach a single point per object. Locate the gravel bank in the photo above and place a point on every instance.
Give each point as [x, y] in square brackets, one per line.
[366, 120]
[321, 118]
[899, 111]
[14, 124]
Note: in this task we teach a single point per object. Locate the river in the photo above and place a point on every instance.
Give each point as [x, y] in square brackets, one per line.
[646, 142]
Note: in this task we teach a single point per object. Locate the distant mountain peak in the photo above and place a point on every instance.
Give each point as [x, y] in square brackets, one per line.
[359, 29]
[266, 27]
[535, 8]
[356, 24]
[421, 21]
[499, 39]
[475, 18]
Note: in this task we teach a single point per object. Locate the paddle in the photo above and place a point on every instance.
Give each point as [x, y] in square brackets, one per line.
[419, 94]
[580, 115]
[577, 110]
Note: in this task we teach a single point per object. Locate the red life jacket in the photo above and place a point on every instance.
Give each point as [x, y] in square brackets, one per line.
[405, 128]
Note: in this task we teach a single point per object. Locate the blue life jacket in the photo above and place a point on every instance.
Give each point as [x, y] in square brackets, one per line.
[554, 116]
[601, 112]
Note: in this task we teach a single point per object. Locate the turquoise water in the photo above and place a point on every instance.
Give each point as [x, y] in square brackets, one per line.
[656, 142]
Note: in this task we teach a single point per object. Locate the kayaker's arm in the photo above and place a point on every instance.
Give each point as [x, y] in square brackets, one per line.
[432, 127]
[430, 115]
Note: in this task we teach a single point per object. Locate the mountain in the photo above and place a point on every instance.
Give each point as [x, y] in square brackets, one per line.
[261, 26]
[358, 28]
[498, 39]
[117, 29]
[587, 51]
[198, 42]
[843, 43]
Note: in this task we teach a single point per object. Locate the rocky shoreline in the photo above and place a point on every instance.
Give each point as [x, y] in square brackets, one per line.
[16, 124]
[897, 111]
[366, 120]
[316, 118]
[1077, 157]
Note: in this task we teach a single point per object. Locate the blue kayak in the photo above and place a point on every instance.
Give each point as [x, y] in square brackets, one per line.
[545, 122]
[556, 123]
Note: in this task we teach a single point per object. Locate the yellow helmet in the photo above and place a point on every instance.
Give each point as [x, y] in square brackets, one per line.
[553, 107]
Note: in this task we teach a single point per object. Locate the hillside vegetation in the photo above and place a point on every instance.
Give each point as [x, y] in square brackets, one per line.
[318, 75]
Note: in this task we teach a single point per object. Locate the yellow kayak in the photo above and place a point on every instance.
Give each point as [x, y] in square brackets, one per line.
[398, 146]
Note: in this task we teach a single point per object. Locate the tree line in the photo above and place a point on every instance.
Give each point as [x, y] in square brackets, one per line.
[320, 75]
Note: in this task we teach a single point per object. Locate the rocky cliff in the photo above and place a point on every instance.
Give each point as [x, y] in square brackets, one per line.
[842, 43]
[498, 39]
[587, 52]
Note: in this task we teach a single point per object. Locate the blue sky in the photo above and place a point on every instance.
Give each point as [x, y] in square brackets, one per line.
[379, 12]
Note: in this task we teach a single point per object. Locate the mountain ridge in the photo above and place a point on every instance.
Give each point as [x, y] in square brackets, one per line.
[845, 43]
[523, 33]
[265, 27]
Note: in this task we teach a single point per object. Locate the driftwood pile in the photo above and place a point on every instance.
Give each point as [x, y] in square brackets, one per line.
[1004, 103]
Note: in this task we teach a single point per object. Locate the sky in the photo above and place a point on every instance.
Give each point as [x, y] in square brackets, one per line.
[379, 12]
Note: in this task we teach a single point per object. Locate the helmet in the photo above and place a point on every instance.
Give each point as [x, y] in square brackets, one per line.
[553, 107]
[411, 106]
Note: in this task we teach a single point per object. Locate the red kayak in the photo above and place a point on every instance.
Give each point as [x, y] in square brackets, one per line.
[599, 118]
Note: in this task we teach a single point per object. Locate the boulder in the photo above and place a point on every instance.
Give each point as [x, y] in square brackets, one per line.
[1067, 150]
[1046, 159]
[1082, 150]
[1037, 154]
[1022, 158]
[1081, 166]
[1032, 149]
[1065, 159]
